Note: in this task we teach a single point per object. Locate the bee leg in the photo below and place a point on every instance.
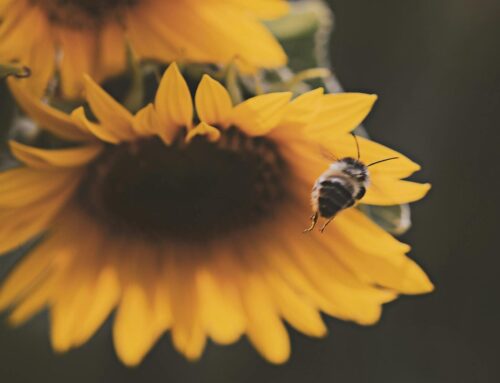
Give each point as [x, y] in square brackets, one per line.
[325, 225]
[314, 220]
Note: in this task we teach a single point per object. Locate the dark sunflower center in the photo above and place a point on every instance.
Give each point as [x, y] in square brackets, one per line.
[193, 191]
[82, 13]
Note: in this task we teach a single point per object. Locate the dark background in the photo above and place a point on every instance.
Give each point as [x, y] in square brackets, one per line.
[436, 66]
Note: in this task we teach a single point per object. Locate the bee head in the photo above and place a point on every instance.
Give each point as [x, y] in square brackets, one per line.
[354, 168]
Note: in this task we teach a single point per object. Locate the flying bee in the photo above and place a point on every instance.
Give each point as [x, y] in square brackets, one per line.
[340, 187]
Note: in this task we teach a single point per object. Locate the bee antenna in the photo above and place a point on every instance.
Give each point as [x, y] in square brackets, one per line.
[357, 144]
[385, 159]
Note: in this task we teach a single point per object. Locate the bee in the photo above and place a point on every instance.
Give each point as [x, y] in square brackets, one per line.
[342, 185]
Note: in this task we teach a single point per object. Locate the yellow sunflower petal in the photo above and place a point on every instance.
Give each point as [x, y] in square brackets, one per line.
[49, 159]
[188, 335]
[112, 51]
[265, 9]
[79, 57]
[173, 101]
[26, 224]
[66, 306]
[388, 191]
[212, 134]
[42, 69]
[397, 272]
[12, 13]
[33, 302]
[261, 114]
[146, 121]
[375, 239]
[345, 296]
[19, 225]
[134, 332]
[77, 310]
[99, 131]
[29, 22]
[213, 102]
[49, 118]
[103, 298]
[265, 329]
[163, 30]
[111, 114]
[162, 309]
[394, 271]
[220, 308]
[91, 289]
[295, 309]
[267, 53]
[331, 297]
[30, 271]
[301, 111]
[144, 32]
[338, 291]
[23, 186]
[341, 113]
[379, 259]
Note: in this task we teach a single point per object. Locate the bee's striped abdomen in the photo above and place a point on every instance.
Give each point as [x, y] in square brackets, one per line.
[335, 194]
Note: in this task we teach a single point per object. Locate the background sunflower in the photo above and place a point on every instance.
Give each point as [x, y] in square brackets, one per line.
[63, 39]
[439, 62]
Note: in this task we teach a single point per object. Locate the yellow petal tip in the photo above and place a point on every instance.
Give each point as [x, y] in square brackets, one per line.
[212, 134]
[128, 361]
[422, 286]
[425, 189]
[173, 69]
[371, 99]
[278, 358]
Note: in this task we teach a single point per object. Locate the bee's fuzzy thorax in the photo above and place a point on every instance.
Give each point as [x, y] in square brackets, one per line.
[350, 167]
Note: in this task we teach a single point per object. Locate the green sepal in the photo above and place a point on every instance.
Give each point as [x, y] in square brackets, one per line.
[15, 70]
[395, 219]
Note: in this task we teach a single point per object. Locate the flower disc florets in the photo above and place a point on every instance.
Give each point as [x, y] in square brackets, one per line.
[194, 191]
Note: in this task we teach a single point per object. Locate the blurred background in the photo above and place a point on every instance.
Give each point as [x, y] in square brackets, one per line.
[436, 66]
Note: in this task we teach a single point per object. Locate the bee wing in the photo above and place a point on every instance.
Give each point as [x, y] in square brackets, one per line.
[327, 155]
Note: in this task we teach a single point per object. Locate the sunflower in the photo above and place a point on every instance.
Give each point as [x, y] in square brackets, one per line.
[192, 222]
[89, 36]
